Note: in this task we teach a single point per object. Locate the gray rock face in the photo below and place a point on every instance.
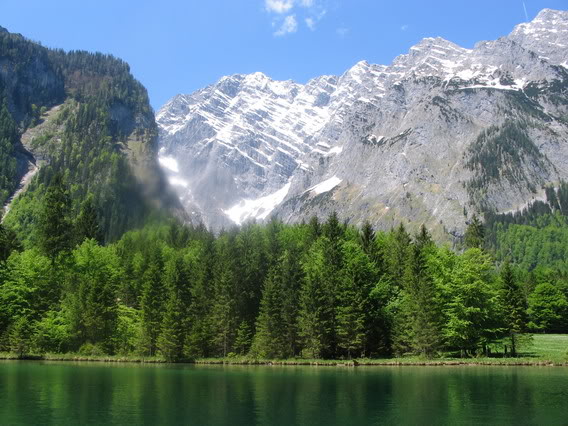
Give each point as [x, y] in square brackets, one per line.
[441, 133]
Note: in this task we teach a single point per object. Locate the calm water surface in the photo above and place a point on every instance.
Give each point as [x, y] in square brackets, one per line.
[43, 393]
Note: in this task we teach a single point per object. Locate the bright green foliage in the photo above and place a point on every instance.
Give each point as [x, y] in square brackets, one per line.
[472, 310]
[176, 291]
[52, 333]
[20, 336]
[92, 303]
[548, 308]
[28, 288]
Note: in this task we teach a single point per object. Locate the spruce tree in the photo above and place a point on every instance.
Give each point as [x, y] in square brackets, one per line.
[317, 302]
[54, 225]
[270, 327]
[175, 322]
[223, 313]
[424, 307]
[367, 237]
[352, 310]
[171, 339]
[475, 234]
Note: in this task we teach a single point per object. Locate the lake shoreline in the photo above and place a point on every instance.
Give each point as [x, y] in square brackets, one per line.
[386, 362]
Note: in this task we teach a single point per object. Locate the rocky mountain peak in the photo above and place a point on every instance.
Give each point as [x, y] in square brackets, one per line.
[546, 35]
[385, 142]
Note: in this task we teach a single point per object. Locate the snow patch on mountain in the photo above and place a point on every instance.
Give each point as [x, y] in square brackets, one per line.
[257, 209]
[325, 186]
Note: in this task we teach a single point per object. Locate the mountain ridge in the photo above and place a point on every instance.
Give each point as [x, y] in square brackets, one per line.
[252, 136]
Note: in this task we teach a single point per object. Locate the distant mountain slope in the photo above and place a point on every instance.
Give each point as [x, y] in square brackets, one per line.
[441, 133]
[84, 116]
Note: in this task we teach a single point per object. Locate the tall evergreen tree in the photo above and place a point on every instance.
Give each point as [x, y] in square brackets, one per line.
[475, 234]
[223, 312]
[398, 252]
[424, 314]
[152, 302]
[270, 326]
[352, 310]
[175, 322]
[54, 225]
[317, 302]
[87, 223]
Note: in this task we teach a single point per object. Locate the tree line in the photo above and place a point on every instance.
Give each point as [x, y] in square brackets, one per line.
[311, 290]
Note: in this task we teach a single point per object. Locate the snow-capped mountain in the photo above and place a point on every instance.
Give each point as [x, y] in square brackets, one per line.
[439, 134]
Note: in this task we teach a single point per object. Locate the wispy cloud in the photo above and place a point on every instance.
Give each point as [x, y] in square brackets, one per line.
[404, 27]
[310, 23]
[342, 31]
[289, 26]
[309, 11]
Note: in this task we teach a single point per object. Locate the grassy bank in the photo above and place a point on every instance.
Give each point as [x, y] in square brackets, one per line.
[546, 350]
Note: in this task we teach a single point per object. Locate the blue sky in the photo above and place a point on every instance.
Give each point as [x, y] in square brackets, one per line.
[178, 46]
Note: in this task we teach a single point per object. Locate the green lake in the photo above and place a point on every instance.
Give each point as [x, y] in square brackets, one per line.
[58, 393]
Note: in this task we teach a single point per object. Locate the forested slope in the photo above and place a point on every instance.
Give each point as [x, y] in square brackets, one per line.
[84, 117]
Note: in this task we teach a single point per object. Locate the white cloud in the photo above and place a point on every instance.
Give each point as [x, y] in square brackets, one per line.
[404, 27]
[311, 23]
[279, 6]
[309, 11]
[289, 25]
[342, 31]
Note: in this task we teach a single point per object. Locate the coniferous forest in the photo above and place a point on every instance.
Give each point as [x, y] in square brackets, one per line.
[313, 290]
